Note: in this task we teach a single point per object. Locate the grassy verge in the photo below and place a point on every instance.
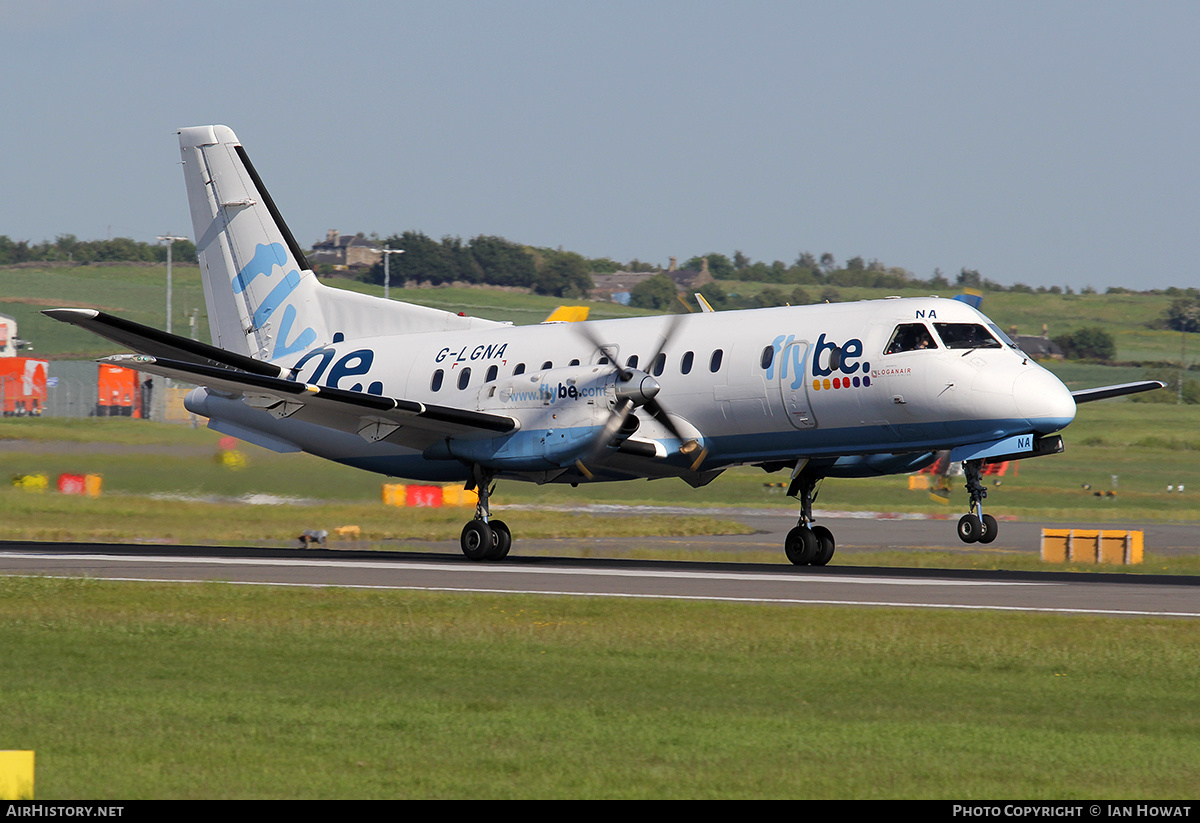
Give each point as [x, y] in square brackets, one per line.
[131, 518]
[216, 691]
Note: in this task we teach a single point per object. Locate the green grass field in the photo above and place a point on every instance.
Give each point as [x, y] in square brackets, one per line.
[130, 691]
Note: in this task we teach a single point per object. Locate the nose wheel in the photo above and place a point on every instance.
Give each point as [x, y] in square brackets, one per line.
[808, 545]
[976, 527]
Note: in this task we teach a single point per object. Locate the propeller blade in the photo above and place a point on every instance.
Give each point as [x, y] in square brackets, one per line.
[673, 321]
[611, 426]
[587, 331]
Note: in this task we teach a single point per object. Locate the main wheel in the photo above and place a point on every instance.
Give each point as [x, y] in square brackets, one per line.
[969, 528]
[825, 545]
[476, 540]
[501, 540]
[990, 529]
[801, 546]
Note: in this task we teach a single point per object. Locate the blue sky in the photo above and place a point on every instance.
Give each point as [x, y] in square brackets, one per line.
[1050, 143]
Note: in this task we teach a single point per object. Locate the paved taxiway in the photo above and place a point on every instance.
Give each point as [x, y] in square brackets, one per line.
[444, 569]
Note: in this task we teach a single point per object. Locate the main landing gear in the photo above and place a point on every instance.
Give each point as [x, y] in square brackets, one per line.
[976, 527]
[484, 538]
[807, 545]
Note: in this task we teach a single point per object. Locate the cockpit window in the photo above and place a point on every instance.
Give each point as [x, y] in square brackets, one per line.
[1004, 338]
[910, 337]
[966, 336]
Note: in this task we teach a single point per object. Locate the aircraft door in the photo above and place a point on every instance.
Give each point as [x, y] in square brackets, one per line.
[793, 384]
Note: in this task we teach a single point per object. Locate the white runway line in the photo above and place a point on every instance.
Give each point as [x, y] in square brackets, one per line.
[483, 568]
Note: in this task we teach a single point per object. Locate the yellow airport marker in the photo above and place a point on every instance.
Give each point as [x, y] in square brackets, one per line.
[16, 775]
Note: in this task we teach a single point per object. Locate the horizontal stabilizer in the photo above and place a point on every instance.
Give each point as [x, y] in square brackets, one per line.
[151, 341]
[441, 419]
[1119, 390]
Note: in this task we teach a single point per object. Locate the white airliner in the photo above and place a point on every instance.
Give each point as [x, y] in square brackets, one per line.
[843, 390]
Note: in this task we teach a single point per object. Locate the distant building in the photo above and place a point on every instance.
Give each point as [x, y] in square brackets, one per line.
[1039, 348]
[617, 285]
[344, 251]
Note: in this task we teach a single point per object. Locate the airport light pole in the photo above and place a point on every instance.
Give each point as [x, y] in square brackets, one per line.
[169, 239]
[387, 275]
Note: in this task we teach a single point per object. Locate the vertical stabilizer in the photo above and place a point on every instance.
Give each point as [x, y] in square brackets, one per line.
[261, 293]
[263, 299]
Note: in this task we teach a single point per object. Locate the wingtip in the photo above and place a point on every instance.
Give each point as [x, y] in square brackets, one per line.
[65, 314]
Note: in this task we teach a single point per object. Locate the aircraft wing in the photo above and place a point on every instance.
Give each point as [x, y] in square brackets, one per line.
[148, 340]
[373, 416]
[1119, 390]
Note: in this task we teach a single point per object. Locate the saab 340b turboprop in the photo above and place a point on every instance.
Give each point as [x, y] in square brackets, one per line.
[843, 390]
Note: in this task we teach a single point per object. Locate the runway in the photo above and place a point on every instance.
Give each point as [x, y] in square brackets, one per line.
[784, 585]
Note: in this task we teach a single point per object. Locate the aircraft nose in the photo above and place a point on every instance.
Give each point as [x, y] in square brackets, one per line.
[1044, 401]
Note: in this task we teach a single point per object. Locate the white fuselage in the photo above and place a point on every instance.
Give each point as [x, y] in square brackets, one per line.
[753, 386]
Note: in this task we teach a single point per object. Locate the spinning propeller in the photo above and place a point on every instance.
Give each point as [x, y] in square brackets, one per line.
[636, 388]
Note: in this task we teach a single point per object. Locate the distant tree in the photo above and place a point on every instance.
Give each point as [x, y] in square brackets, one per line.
[604, 265]
[799, 297]
[502, 262]
[740, 261]
[1184, 313]
[564, 274]
[657, 293]
[938, 281]
[719, 266]
[771, 296]
[423, 259]
[1090, 343]
[969, 278]
[639, 266]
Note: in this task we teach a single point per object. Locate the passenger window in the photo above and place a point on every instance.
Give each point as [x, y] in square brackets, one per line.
[574, 362]
[966, 336]
[491, 374]
[436, 383]
[518, 369]
[547, 365]
[685, 364]
[714, 363]
[660, 364]
[464, 377]
[910, 337]
[632, 361]
[768, 357]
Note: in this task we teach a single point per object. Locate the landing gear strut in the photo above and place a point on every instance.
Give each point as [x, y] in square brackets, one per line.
[807, 545]
[976, 527]
[484, 538]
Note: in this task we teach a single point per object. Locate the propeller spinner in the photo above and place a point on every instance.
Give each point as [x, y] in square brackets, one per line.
[636, 389]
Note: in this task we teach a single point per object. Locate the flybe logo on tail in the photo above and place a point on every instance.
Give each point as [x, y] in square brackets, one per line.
[266, 258]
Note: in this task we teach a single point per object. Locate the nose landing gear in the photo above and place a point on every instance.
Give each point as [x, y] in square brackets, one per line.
[976, 527]
[807, 545]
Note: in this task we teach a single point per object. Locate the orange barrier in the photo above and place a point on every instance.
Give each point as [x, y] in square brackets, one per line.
[399, 494]
[1091, 546]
